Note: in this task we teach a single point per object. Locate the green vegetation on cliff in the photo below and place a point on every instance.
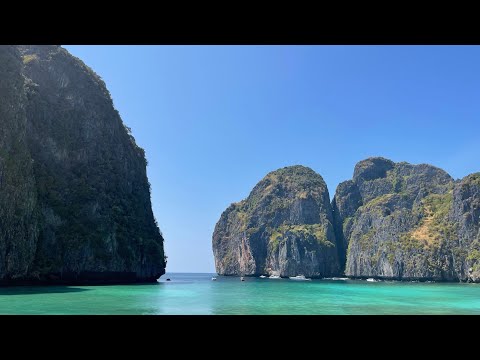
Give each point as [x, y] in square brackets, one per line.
[408, 221]
[392, 220]
[473, 179]
[284, 226]
[77, 174]
[312, 232]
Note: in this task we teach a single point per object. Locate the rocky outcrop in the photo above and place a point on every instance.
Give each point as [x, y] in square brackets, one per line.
[392, 220]
[74, 194]
[19, 226]
[403, 221]
[465, 214]
[284, 227]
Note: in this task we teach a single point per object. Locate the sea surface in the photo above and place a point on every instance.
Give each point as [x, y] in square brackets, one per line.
[198, 294]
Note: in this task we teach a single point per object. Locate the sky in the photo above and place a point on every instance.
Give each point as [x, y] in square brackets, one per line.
[214, 120]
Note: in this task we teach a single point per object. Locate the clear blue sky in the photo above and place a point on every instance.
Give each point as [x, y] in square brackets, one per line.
[214, 120]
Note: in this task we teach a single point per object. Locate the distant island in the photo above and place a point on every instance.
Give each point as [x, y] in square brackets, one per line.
[393, 221]
[74, 195]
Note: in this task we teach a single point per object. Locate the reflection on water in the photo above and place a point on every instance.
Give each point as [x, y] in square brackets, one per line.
[198, 294]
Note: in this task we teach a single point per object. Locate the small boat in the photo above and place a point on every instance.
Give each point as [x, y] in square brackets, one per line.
[274, 277]
[339, 278]
[371, 280]
[214, 279]
[299, 278]
[242, 278]
[262, 276]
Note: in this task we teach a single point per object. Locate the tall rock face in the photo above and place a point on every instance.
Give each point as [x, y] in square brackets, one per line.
[18, 198]
[465, 214]
[72, 175]
[284, 227]
[403, 221]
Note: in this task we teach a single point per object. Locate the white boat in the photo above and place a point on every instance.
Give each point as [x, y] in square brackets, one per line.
[214, 279]
[299, 278]
[242, 278]
[262, 276]
[274, 277]
[371, 280]
[337, 278]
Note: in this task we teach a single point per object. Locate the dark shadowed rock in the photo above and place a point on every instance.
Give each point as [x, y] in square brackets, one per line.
[284, 227]
[344, 205]
[19, 226]
[74, 195]
[371, 169]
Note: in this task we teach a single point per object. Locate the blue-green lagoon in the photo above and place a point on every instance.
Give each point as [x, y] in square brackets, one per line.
[198, 294]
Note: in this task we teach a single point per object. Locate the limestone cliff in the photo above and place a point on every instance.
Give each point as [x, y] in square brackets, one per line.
[392, 221]
[403, 221]
[74, 194]
[284, 227]
[19, 227]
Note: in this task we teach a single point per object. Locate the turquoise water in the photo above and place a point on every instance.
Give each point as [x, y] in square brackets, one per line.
[197, 294]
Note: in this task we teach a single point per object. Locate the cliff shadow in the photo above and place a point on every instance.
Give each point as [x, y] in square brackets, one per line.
[27, 290]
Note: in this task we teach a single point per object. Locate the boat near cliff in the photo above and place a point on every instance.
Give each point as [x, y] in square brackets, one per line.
[299, 278]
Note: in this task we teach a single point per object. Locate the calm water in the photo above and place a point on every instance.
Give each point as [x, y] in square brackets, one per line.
[197, 294]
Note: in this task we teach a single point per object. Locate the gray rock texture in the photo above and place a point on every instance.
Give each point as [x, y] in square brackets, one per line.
[392, 221]
[284, 227]
[409, 222]
[74, 194]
